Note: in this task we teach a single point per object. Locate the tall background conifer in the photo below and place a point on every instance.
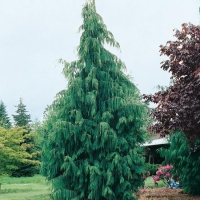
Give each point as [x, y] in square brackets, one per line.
[21, 118]
[4, 119]
[93, 129]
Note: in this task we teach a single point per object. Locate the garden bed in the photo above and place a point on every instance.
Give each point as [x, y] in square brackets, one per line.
[164, 194]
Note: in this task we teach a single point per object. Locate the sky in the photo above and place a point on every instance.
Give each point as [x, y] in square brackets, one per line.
[35, 34]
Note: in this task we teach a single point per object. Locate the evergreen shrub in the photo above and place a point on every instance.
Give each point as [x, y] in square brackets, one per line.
[185, 161]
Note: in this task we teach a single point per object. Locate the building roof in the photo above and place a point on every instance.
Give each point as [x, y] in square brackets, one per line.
[158, 141]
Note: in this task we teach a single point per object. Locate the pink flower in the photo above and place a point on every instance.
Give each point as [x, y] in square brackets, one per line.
[161, 168]
[167, 174]
[156, 178]
[159, 172]
[168, 167]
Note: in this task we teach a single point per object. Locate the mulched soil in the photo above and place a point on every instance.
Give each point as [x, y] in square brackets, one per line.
[164, 194]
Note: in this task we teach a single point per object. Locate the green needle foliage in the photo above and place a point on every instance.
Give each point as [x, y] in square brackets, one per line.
[21, 118]
[185, 162]
[93, 130]
[4, 119]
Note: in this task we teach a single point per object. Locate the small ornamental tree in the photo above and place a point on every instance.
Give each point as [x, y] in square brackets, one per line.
[93, 129]
[21, 118]
[178, 107]
[13, 150]
[28, 168]
[4, 119]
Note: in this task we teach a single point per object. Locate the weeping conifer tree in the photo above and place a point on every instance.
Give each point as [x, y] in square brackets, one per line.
[93, 129]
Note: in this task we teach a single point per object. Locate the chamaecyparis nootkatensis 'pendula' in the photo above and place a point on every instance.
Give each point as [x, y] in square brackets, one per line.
[93, 130]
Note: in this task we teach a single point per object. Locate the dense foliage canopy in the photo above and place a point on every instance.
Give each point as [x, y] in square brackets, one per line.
[13, 150]
[178, 107]
[93, 129]
[28, 168]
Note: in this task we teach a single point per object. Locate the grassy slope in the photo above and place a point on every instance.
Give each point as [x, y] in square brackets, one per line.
[24, 188]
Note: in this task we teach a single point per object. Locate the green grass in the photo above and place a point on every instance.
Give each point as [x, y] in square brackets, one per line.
[149, 183]
[24, 188]
[36, 188]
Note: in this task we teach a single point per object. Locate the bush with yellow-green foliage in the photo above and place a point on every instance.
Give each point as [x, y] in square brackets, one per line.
[29, 168]
[13, 150]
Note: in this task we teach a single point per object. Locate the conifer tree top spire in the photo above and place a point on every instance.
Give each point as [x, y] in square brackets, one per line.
[94, 27]
[91, 51]
[21, 118]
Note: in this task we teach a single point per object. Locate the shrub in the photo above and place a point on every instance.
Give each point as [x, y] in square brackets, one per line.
[185, 162]
[163, 174]
[152, 168]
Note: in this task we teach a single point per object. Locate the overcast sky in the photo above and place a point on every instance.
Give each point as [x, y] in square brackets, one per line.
[34, 34]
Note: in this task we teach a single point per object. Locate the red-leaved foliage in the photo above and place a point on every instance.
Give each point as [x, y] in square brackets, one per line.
[178, 107]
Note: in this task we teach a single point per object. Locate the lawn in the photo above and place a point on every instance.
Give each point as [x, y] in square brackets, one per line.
[149, 183]
[36, 188]
[24, 188]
